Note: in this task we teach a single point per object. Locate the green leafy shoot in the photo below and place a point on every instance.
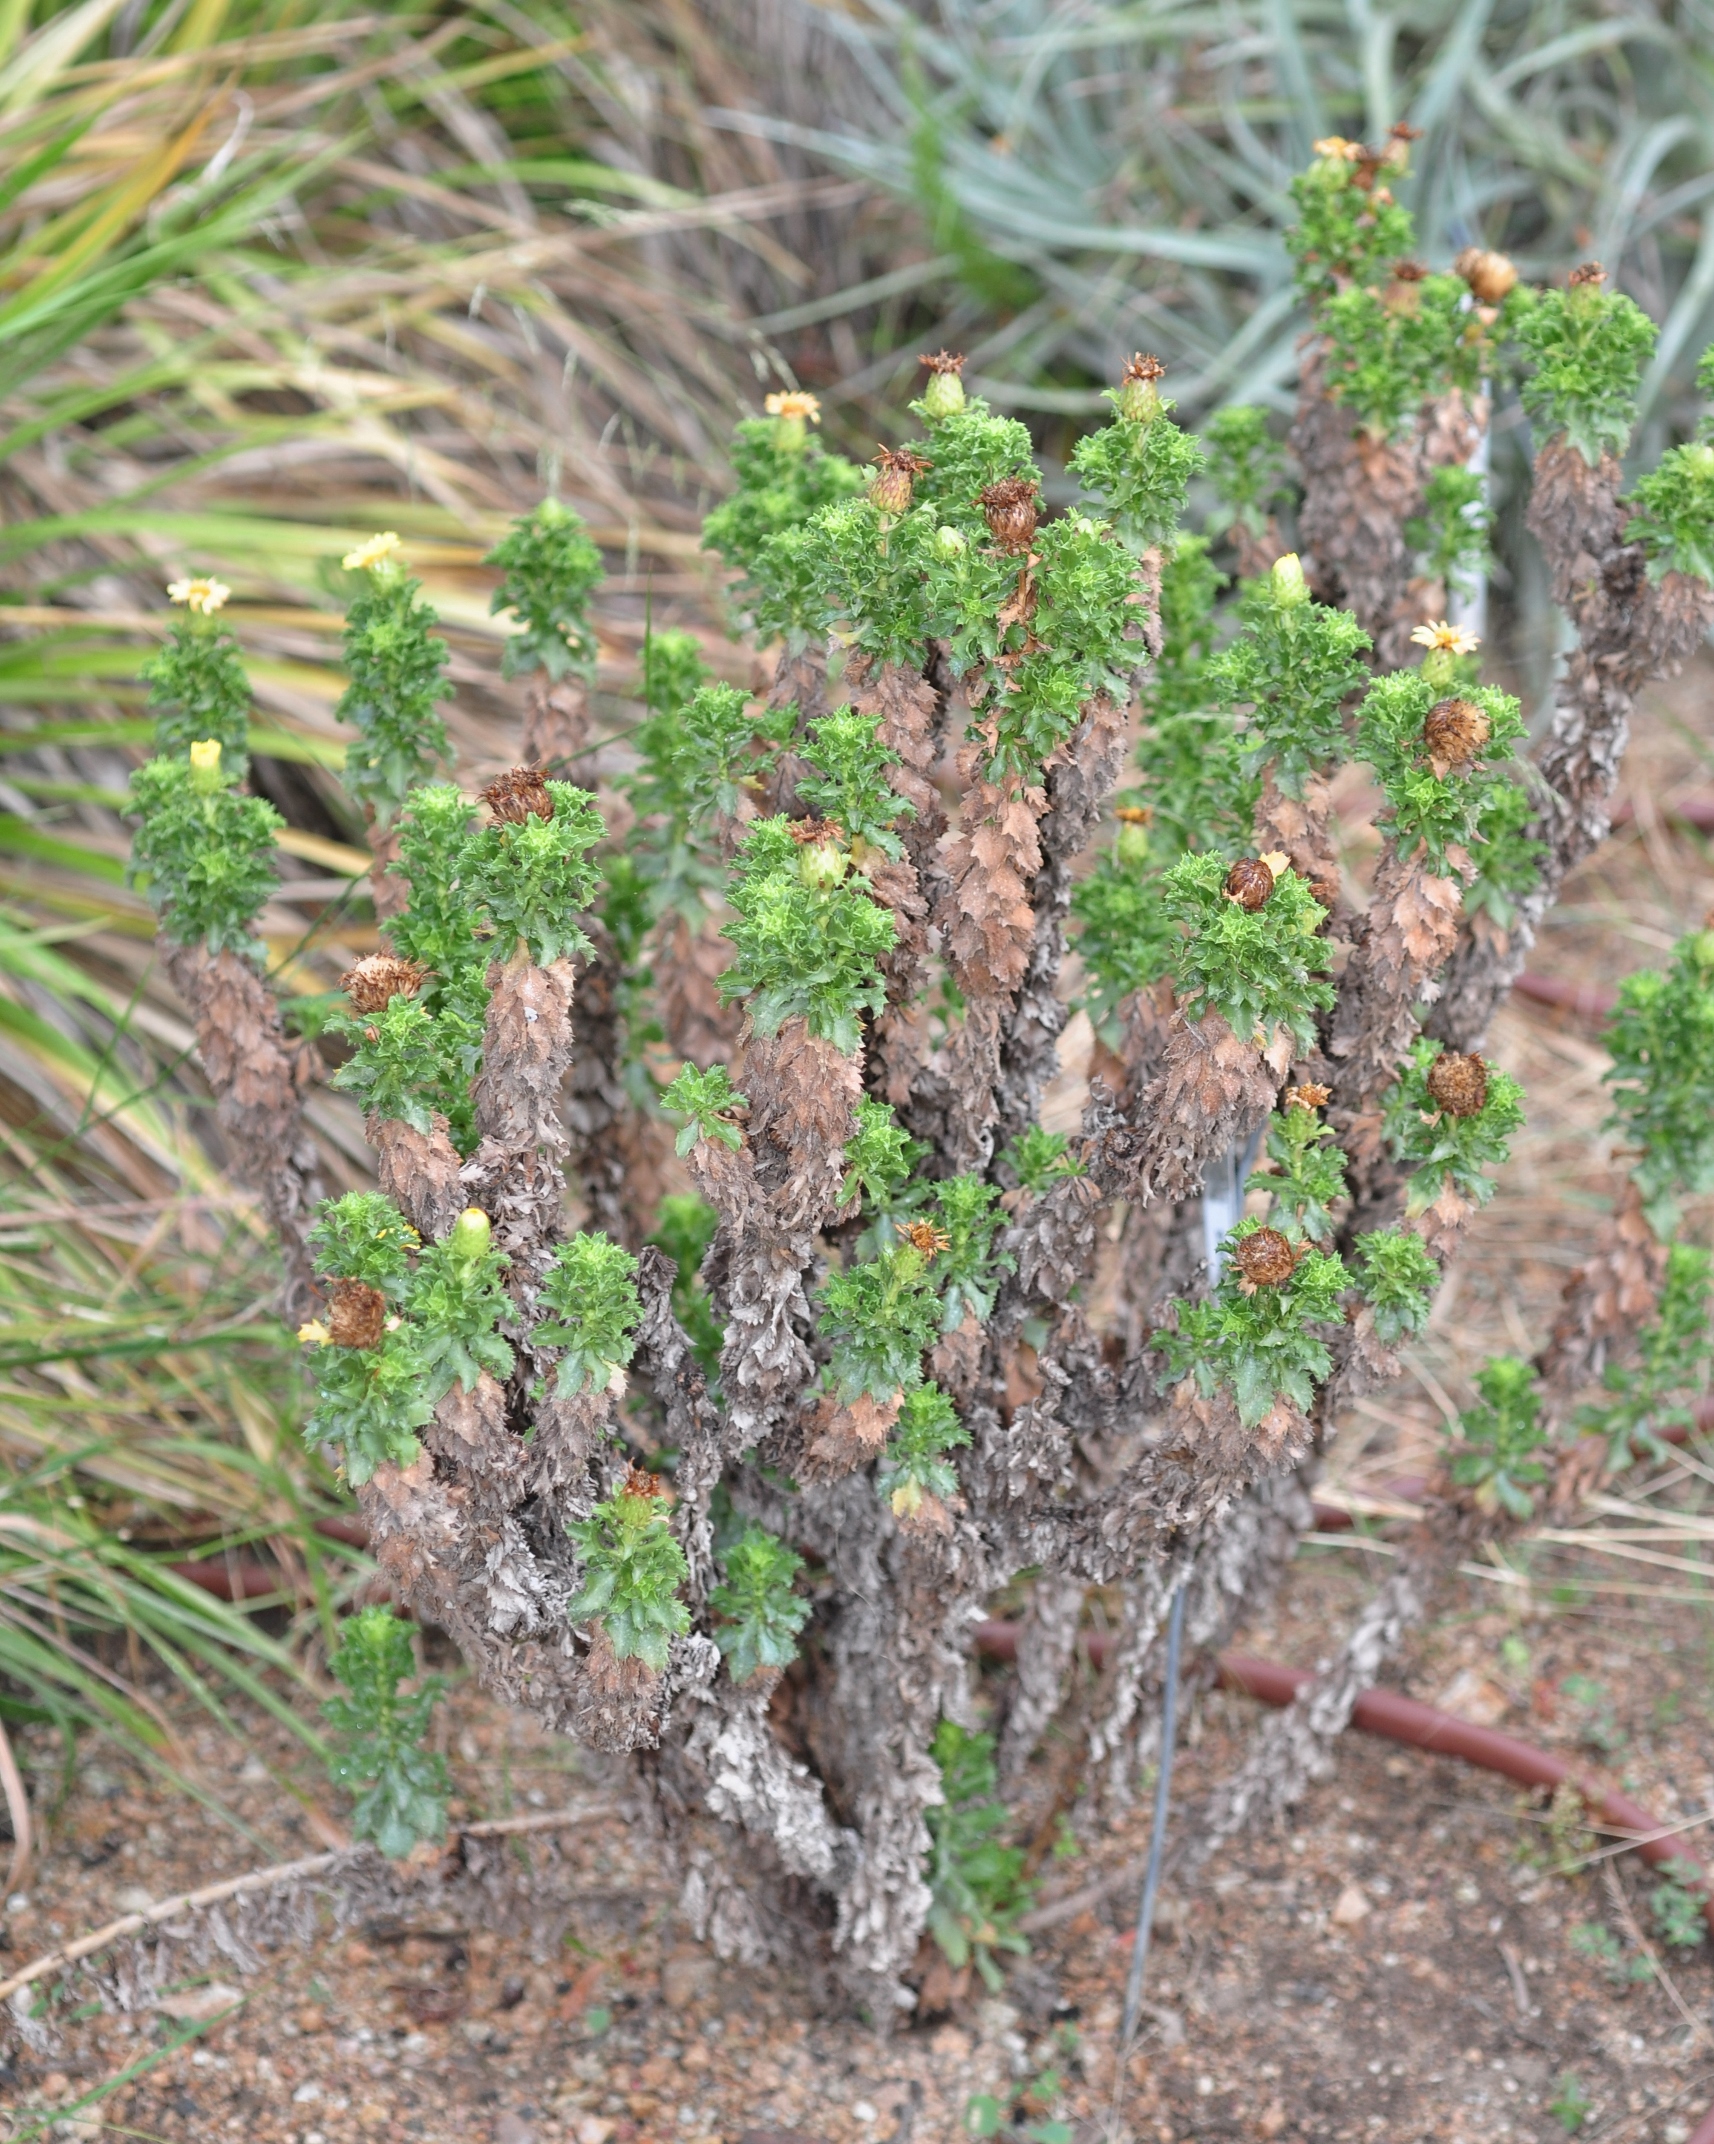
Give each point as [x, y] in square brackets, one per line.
[726, 744]
[760, 1612]
[203, 855]
[914, 1467]
[1125, 934]
[632, 1572]
[979, 1887]
[1443, 1150]
[198, 688]
[438, 859]
[1259, 1342]
[589, 1308]
[807, 939]
[549, 569]
[457, 1301]
[1307, 1173]
[1679, 1903]
[1349, 229]
[879, 1158]
[710, 1106]
[1246, 466]
[1292, 664]
[1507, 858]
[1498, 1439]
[1661, 1036]
[370, 1402]
[402, 1066]
[400, 1786]
[852, 788]
[684, 1228]
[1450, 535]
[1390, 350]
[1623, 1969]
[1038, 1159]
[534, 878]
[967, 1267]
[396, 664]
[1140, 465]
[363, 1236]
[1431, 754]
[880, 1316]
[1584, 349]
[783, 476]
[1259, 969]
[1673, 517]
[1658, 1390]
[1571, 2105]
[1398, 1279]
[673, 671]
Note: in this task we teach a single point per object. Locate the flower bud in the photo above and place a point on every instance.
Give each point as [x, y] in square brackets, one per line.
[1490, 275]
[1459, 1084]
[1133, 843]
[1139, 398]
[471, 1235]
[1286, 582]
[950, 543]
[205, 775]
[822, 864]
[1250, 883]
[896, 470]
[1265, 1258]
[944, 394]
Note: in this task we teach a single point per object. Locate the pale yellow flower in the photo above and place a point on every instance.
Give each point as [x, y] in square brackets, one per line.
[204, 594]
[1446, 639]
[1337, 145]
[371, 553]
[315, 1334]
[205, 755]
[794, 403]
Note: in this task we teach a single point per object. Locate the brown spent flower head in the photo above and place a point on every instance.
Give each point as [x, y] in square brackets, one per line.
[807, 832]
[1138, 398]
[519, 794]
[1009, 506]
[1142, 368]
[1490, 275]
[1311, 1095]
[1589, 277]
[1454, 732]
[1250, 883]
[639, 1482]
[943, 362]
[1459, 1084]
[378, 978]
[1409, 271]
[925, 1237]
[896, 471]
[1265, 1259]
[356, 1314]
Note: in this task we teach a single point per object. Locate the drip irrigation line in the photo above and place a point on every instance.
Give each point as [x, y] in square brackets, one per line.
[1157, 1836]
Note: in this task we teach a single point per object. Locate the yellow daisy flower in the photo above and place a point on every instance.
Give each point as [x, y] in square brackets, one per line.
[1446, 639]
[371, 553]
[794, 403]
[204, 594]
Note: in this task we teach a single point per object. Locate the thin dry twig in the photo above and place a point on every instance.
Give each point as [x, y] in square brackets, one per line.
[1633, 1928]
[18, 1808]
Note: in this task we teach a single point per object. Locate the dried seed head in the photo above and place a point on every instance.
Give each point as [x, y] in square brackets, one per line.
[944, 394]
[1589, 277]
[356, 1314]
[925, 1237]
[1459, 1084]
[1454, 732]
[1311, 1095]
[1250, 883]
[1266, 1258]
[1408, 271]
[1490, 275]
[519, 794]
[1009, 507]
[896, 471]
[378, 978]
[639, 1482]
[1139, 398]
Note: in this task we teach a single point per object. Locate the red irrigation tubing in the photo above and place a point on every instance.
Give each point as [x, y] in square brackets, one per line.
[1426, 1727]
